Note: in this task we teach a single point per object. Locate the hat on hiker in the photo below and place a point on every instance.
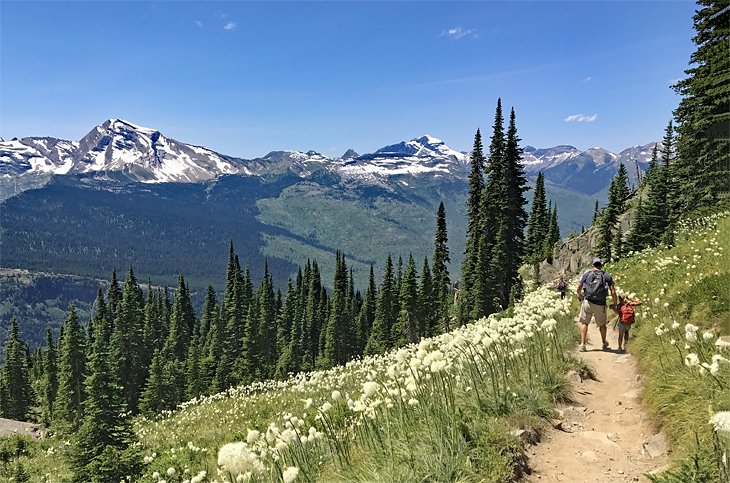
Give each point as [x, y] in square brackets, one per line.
[597, 262]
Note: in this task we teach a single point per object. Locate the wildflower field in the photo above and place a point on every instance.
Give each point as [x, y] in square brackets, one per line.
[447, 409]
[678, 339]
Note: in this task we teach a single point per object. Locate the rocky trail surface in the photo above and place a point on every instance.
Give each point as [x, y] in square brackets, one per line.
[605, 435]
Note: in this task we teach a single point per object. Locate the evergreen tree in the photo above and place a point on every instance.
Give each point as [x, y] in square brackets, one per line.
[617, 250]
[515, 216]
[595, 214]
[193, 372]
[553, 234]
[15, 376]
[266, 339]
[622, 190]
[653, 164]
[657, 209]
[367, 313]
[51, 373]
[104, 450]
[336, 349]
[703, 115]
[473, 230]
[380, 338]
[406, 329]
[114, 295]
[428, 302]
[636, 239]
[160, 392]
[489, 280]
[71, 374]
[441, 280]
[538, 223]
[673, 196]
[127, 340]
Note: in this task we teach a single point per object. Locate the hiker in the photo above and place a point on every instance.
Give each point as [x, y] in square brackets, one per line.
[625, 310]
[561, 286]
[592, 292]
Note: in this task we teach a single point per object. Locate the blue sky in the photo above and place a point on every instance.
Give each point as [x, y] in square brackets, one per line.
[245, 78]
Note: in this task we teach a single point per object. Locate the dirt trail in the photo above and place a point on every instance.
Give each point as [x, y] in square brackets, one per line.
[605, 436]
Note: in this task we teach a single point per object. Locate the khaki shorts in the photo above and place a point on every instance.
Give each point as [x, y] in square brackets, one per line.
[588, 310]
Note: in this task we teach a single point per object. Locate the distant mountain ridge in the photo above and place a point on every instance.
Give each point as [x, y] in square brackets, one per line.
[145, 155]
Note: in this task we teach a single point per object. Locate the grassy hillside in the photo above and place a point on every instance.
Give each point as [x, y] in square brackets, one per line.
[451, 408]
[686, 295]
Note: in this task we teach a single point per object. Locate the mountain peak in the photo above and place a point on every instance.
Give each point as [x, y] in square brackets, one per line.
[350, 154]
[121, 124]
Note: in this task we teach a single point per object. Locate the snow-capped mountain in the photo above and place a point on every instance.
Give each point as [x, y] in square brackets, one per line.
[588, 171]
[146, 155]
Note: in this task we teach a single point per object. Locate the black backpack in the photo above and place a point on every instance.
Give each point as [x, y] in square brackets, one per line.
[596, 288]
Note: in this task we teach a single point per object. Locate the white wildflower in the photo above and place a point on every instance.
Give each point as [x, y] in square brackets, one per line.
[691, 360]
[290, 474]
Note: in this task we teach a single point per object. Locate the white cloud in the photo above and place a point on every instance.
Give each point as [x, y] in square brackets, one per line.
[230, 26]
[457, 33]
[581, 118]
[588, 79]
[198, 23]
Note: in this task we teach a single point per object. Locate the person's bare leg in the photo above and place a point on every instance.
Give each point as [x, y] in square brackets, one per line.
[620, 339]
[583, 333]
[602, 329]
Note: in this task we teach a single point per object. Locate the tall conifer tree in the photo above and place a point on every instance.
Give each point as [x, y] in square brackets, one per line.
[15, 375]
[71, 374]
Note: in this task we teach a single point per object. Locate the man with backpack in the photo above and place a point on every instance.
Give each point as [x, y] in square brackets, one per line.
[592, 292]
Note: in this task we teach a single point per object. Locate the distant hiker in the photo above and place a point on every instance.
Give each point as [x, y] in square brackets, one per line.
[592, 292]
[625, 310]
[561, 286]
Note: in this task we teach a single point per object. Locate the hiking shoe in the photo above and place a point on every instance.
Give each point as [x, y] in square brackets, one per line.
[582, 348]
[605, 345]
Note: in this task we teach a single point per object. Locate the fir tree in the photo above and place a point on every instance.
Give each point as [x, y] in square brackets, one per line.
[127, 340]
[538, 223]
[367, 313]
[595, 214]
[428, 302]
[553, 235]
[266, 337]
[441, 280]
[114, 295]
[15, 375]
[636, 239]
[336, 349]
[489, 280]
[385, 314]
[473, 230]
[71, 374]
[515, 216]
[104, 450]
[406, 329]
[193, 372]
[51, 374]
[703, 115]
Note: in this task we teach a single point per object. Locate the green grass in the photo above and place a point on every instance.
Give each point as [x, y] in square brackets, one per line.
[686, 284]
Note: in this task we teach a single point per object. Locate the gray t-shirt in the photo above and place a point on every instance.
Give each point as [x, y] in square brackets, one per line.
[606, 278]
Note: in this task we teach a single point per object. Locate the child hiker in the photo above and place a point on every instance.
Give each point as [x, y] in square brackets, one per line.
[625, 310]
[561, 286]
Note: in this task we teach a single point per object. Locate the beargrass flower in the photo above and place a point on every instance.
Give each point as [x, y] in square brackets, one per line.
[721, 422]
[691, 360]
[369, 388]
[290, 474]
